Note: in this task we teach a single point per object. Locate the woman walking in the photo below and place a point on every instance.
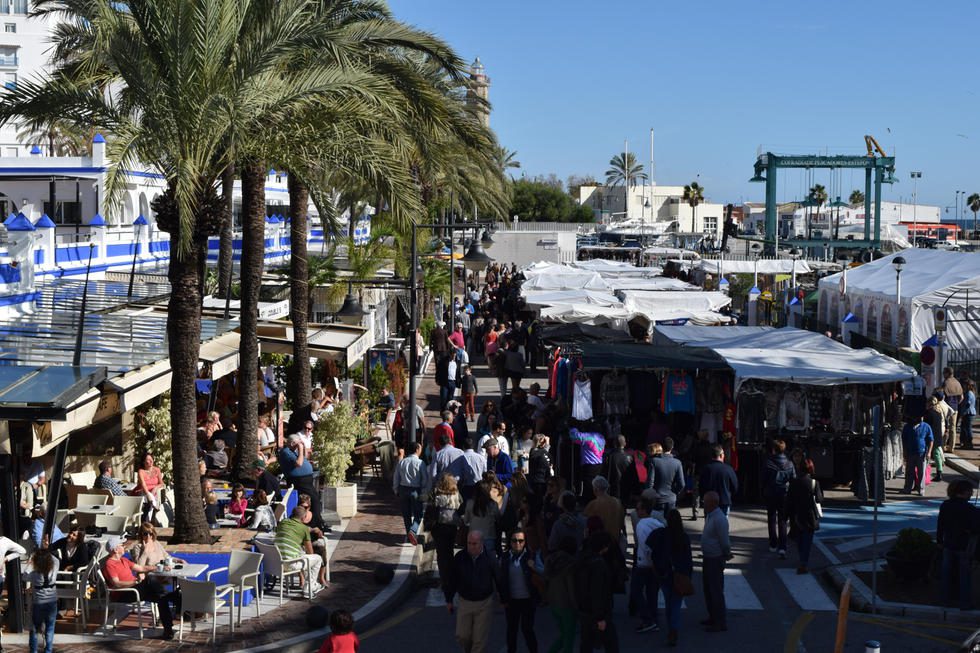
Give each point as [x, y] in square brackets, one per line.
[674, 564]
[44, 607]
[967, 410]
[803, 507]
[482, 513]
[446, 501]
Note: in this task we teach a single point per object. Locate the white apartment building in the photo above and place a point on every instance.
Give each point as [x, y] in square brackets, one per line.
[25, 46]
[792, 217]
[652, 204]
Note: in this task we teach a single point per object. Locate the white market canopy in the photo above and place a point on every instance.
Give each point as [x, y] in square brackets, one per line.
[617, 269]
[650, 302]
[656, 283]
[702, 336]
[930, 278]
[561, 277]
[762, 266]
[615, 317]
[551, 297]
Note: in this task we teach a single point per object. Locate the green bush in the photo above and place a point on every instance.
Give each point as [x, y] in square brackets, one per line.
[425, 328]
[153, 432]
[914, 543]
[334, 439]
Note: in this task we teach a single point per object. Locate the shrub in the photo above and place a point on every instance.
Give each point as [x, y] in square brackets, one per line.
[153, 429]
[334, 439]
[914, 543]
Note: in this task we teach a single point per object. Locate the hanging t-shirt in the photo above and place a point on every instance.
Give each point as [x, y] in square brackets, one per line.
[678, 393]
[582, 400]
[794, 414]
[615, 394]
[593, 446]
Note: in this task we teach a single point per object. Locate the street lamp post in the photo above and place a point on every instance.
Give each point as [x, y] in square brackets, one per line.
[899, 264]
[916, 176]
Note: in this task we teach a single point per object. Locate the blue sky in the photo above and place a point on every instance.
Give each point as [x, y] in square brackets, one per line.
[571, 80]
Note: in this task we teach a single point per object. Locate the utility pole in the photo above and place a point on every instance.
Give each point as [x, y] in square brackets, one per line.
[916, 176]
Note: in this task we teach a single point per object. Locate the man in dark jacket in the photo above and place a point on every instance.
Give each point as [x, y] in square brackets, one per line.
[594, 594]
[718, 476]
[958, 521]
[518, 595]
[776, 476]
[665, 477]
[616, 466]
[460, 429]
[472, 575]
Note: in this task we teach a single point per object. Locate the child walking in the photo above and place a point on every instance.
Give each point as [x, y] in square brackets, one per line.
[342, 638]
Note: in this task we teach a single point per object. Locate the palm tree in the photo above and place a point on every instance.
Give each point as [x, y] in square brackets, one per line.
[816, 199]
[61, 138]
[624, 169]
[973, 202]
[856, 198]
[693, 195]
[506, 159]
[299, 286]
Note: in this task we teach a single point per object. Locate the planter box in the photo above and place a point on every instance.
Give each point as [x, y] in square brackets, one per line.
[342, 500]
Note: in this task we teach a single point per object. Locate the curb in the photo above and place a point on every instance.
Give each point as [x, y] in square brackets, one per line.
[861, 601]
[963, 466]
[369, 615]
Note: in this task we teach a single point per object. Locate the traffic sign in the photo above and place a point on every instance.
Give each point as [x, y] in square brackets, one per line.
[939, 316]
[927, 355]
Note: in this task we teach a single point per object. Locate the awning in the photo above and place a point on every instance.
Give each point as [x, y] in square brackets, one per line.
[142, 384]
[337, 342]
[602, 355]
[561, 333]
[222, 354]
[81, 413]
[43, 393]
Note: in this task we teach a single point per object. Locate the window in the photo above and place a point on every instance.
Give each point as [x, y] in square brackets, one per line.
[11, 151]
[20, 6]
[872, 331]
[887, 328]
[10, 28]
[67, 213]
[710, 224]
[8, 56]
[10, 80]
[903, 327]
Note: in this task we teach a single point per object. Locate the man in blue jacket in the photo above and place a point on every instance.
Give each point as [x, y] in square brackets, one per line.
[917, 444]
[499, 462]
[718, 476]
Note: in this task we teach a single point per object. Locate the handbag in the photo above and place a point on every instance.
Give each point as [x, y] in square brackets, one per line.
[682, 584]
[817, 508]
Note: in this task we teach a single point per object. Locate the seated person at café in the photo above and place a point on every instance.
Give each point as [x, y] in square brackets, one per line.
[266, 481]
[229, 435]
[212, 511]
[293, 541]
[106, 482]
[263, 518]
[237, 504]
[316, 535]
[121, 572]
[72, 552]
[37, 529]
[217, 458]
[148, 551]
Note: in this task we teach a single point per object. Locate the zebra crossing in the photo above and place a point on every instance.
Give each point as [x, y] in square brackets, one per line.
[804, 590]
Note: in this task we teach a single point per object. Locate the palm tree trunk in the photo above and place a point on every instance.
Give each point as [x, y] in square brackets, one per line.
[225, 250]
[299, 288]
[184, 346]
[974, 226]
[253, 248]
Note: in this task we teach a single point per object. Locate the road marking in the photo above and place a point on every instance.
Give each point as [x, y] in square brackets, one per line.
[915, 633]
[831, 558]
[435, 598]
[806, 591]
[794, 643]
[394, 621]
[738, 592]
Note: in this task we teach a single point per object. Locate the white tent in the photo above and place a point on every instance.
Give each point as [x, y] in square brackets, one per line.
[565, 278]
[616, 269]
[930, 278]
[613, 316]
[702, 336]
[797, 356]
[762, 266]
[656, 283]
[649, 303]
[550, 297]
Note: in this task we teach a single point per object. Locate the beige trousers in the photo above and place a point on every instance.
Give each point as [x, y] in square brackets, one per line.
[473, 620]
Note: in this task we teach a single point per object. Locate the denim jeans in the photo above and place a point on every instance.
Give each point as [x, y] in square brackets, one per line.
[643, 593]
[519, 615]
[411, 506]
[956, 564]
[805, 543]
[672, 602]
[776, 515]
[446, 392]
[42, 617]
[713, 586]
[966, 430]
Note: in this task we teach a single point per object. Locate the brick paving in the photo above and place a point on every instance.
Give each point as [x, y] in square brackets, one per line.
[373, 536]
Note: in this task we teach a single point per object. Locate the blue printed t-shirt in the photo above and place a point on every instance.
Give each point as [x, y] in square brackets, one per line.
[287, 461]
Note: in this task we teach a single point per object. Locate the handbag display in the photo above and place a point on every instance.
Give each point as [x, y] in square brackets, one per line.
[682, 584]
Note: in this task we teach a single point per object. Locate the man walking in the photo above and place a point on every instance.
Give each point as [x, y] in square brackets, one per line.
[779, 471]
[409, 482]
[517, 593]
[917, 442]
[472, 577]
[643, 580]
[716, 550]
[468, 469]
[665, 478]
[718, 476]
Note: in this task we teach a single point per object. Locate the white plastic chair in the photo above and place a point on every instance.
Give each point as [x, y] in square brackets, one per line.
[121, 596]
[243, 573]
[113, 524]
[274, 565]
[93, 499]
[72, 586]
[129, 507]
[204, 596]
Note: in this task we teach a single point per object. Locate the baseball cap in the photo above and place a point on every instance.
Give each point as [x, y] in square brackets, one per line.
[113, 543]
[258, 464]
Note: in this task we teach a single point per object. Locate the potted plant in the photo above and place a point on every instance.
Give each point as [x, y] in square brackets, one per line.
[912, 554]
[333, 441]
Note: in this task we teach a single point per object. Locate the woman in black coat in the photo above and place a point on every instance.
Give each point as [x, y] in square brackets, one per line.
[72, 551]
[803, 510]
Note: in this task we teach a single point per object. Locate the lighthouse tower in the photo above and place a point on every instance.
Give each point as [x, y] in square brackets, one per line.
[478, 95]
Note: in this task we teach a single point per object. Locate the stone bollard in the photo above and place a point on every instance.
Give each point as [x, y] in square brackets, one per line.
[872, 646]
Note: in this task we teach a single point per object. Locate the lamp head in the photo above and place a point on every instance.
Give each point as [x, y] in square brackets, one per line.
[899, 263]
[476, 258]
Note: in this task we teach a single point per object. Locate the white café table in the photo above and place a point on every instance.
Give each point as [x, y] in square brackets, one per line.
[95, 510]
[180, 571]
